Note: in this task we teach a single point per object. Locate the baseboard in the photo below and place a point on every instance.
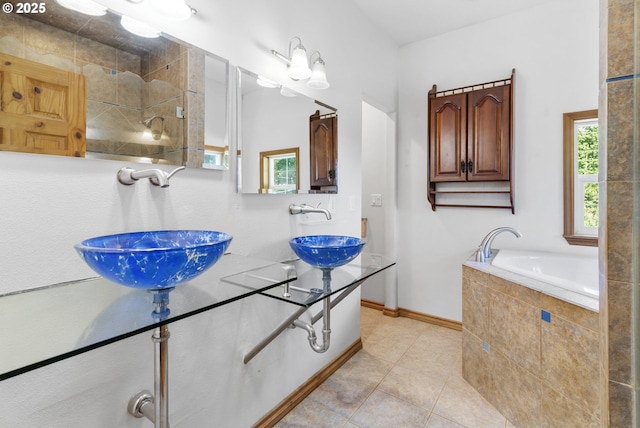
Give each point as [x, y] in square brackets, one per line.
[418, 316]
[371, 304]
[292, 400]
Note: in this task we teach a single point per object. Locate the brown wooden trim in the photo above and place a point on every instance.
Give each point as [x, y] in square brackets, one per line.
[393, 313]
[292, 400]
[568, 177]
[371, 304]
[418, 316]
[431, 319]
[588, 241]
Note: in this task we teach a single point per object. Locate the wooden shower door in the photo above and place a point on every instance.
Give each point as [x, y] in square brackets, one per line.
[42, 108]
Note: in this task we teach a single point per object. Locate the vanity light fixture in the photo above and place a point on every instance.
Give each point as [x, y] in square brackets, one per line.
[298, 65]
[176, 10]
[87, 7]
[266, 83]
[139, 28]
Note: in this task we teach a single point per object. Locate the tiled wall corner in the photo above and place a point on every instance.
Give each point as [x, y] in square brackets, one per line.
[538, 362]
[514, 330]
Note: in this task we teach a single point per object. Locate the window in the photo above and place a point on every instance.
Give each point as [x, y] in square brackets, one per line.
[216, 157]
[581, 177]
[279, 171]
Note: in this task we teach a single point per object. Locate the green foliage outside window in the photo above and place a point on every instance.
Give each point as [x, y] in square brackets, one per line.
[284, 171]
[588, 164]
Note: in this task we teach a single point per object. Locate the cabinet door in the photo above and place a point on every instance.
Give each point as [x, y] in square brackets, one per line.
[323, 150]
[447, 137]
[489, 134]
[42, 109]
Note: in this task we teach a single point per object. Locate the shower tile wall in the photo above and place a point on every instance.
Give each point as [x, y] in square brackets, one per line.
[123, 88]
[537, 368]
[618, 179]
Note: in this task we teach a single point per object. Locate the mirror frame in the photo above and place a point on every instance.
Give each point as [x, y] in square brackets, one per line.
[569, 178]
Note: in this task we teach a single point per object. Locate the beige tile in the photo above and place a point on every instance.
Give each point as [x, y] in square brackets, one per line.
[311, 414]
[621, 48]
[519, 292]
[460, 403]
[475, 363]
[475, 307]
[436, 421]
[570, 361]
[436, 350]
[415, 386]
[619, 207]
[389, 342]
[514, 391]
[572, 313]
[475, 275]
[620, 337]
[619, 130]
[383, 411]
[514, 330]
[560, 411]
[621, 405]
[369, 320]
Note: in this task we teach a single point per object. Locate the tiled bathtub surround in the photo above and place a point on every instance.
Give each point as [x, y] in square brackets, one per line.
[533, 356]
[618, 179]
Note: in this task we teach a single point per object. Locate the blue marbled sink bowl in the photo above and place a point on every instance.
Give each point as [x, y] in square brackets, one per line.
[327, 251]
[154, 260]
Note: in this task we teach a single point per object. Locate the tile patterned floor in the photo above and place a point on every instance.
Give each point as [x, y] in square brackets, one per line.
[408, 374]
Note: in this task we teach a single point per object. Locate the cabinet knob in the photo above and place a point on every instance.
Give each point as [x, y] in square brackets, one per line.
[463, 166]
[470, 166]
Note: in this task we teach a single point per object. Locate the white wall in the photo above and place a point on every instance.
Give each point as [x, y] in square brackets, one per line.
[554, 49]
[50, 203]
[379, 178]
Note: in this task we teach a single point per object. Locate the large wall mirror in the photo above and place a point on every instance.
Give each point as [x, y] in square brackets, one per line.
[83, 86]
[287, 142]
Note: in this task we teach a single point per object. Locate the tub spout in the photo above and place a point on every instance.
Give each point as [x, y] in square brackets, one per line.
[484, 250]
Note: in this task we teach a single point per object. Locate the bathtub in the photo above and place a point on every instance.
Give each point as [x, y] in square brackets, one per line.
[568, 277]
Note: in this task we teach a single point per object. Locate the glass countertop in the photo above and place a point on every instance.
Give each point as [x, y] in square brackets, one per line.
[45, 325]
[305, 283]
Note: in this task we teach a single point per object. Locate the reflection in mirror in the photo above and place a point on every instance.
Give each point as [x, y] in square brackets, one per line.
[287, 142]
[581, 177]
[118, 95]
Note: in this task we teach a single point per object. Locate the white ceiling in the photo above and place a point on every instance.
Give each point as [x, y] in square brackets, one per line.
[407, 21]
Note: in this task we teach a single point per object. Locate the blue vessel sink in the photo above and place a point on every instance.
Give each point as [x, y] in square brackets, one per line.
[155, 260]
[327, 251]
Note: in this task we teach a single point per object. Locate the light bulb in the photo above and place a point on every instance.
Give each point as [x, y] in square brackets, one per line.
[176, 10]
[139, 28]
[88, 7]
[318, 78]
[299, 68]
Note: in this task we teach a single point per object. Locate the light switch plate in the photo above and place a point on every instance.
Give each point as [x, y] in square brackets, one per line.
[376, 200]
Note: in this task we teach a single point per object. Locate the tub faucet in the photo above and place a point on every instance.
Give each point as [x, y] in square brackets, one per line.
[484, 250]
[157, 177]
[304, 209]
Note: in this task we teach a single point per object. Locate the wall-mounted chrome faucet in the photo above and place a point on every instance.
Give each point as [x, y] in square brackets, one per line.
[157, 177]
[484, 250]
[305, 209]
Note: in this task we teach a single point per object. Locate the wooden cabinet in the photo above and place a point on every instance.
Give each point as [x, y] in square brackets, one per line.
[470, 139]
[323, 150]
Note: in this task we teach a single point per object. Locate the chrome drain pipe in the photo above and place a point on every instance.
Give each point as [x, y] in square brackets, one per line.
[326, 329]
[156, 407]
